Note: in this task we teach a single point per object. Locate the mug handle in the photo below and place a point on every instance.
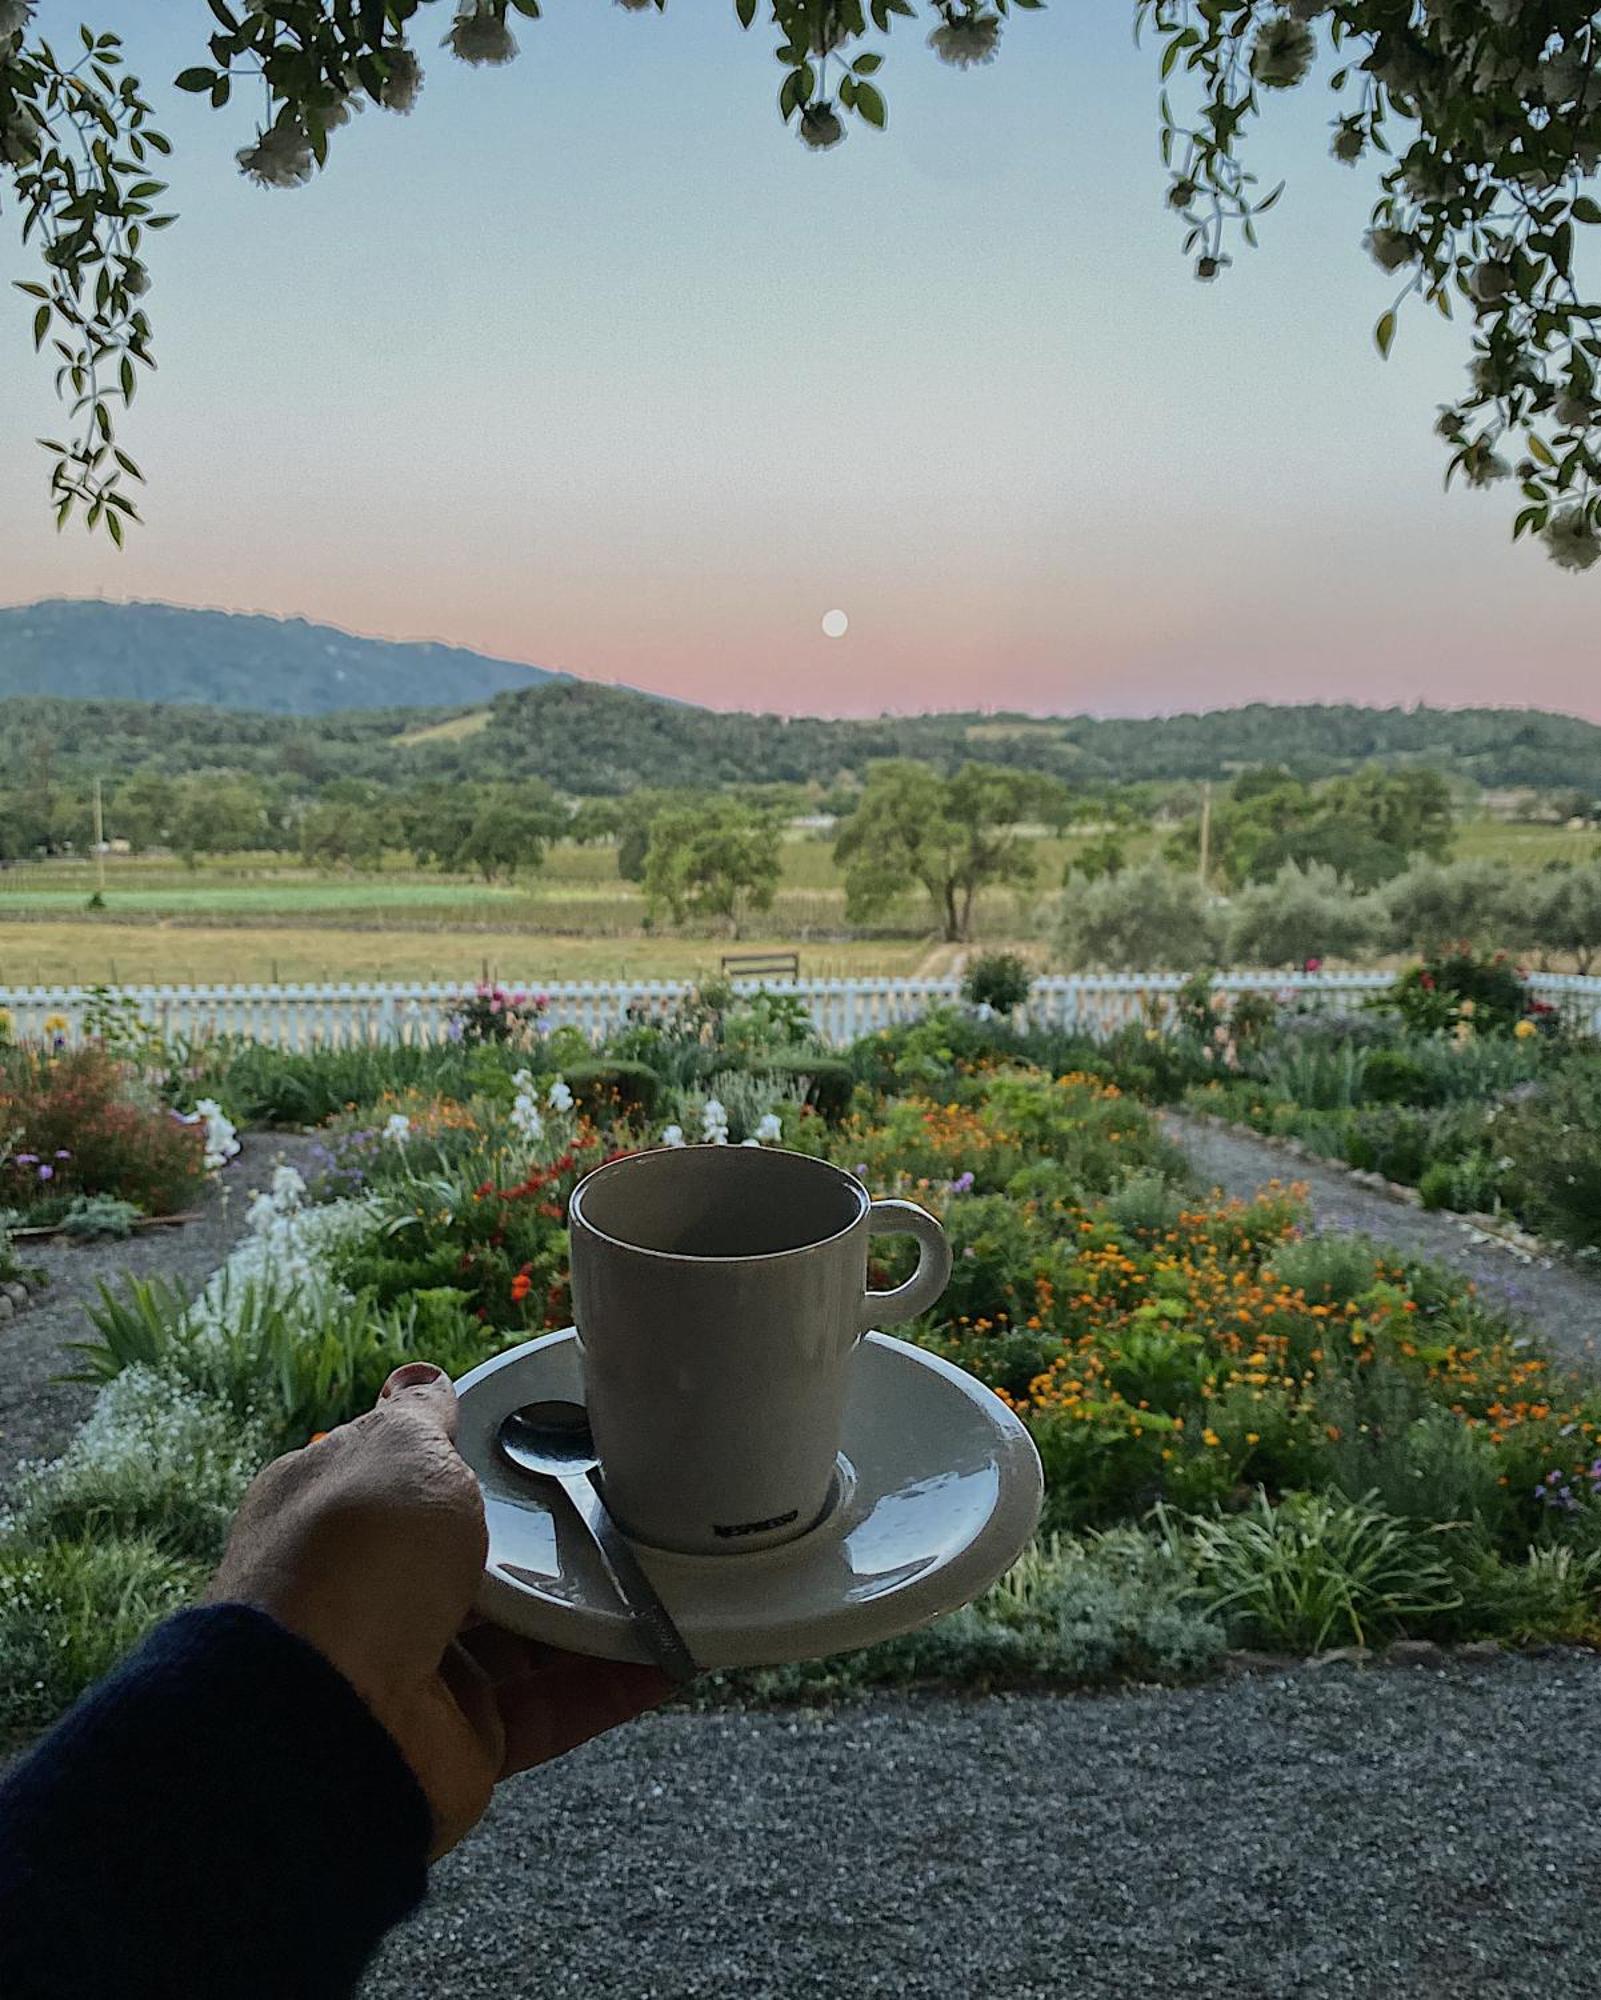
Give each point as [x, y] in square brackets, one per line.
[933, 1273]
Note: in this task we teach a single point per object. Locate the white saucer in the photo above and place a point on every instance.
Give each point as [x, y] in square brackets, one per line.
[939, 1492]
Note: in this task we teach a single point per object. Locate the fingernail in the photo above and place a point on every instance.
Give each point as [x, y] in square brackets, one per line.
[413, 1375]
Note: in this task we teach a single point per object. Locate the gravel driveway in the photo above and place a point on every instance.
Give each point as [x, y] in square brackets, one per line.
[1563, 1302]
[38, 1411]
[1325, 1833]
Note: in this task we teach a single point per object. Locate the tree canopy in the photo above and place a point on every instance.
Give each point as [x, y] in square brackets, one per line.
[1481, 117]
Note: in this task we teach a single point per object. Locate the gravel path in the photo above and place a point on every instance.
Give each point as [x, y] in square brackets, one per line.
[1562, 1302]
[1325, 1833]
[38, 1410]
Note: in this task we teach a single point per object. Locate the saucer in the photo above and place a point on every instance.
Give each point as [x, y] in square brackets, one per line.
[937, 1493]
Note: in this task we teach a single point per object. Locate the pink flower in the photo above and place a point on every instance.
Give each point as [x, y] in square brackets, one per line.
[1314, 964]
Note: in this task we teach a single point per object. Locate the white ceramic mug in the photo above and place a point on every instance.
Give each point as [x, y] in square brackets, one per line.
[719, 1293]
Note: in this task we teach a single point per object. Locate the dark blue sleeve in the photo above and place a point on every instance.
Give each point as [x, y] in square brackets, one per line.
[221, 1819]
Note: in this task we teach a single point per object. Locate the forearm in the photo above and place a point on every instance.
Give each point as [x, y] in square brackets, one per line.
[222, 1816]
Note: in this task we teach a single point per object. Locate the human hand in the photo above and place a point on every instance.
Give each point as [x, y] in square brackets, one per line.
[369, 1543]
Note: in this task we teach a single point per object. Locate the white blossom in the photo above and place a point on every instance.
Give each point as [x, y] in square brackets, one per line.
[966, 39]
[820, 127]
[397, 1128]
[1570, 539]
[1390, 248]
[673, 1136]
[479, 36]
[1484, 466]
[770, 1129]
[402, 84]
[559, 1097]
[714, 1122]
[20, 137]
[1282, 53]
[281, 157]
[752, 1142]
[1350, 142]
[525, 1116]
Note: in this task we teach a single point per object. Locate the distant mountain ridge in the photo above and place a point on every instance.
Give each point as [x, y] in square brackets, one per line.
[89, 651]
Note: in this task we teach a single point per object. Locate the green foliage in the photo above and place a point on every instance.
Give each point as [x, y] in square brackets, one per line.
[613, 1087]
[1070, 1613]
[1150, 919]
[1432, 907]
[1553, 1139]
[298, 1362]
[1561, 912]
[950, 837]
[1315, 1572]
[1330, 1267]
[93, 1217]
[1302, 913]
[70, 1610]
[266, 1086]
[1459, 988]
[489, 830]
[999, 980]
[717, 858]
[157, 1458]
[73, 1123]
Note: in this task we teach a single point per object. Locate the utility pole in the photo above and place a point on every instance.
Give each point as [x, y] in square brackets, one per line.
[1206, 831]
[100, 843]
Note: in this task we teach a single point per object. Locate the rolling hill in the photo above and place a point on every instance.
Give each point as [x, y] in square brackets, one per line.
[277, 666]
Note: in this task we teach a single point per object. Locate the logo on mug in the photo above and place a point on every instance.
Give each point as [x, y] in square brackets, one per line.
[758, 1527]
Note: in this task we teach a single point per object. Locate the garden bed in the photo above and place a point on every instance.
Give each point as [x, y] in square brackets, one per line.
[1253, 1436]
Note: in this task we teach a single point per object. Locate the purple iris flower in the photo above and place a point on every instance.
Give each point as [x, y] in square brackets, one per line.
[27, 1159]
[962, 1184]
[46, 1171]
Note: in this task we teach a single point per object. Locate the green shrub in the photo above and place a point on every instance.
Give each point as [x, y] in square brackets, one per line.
[71, 1123]
[1553, 1139]
[1398, 1076]
[1551, 1597]
[1146, 1204]
[827, 1082]
[612, 1087]
[95, 1217]
[999, 980]
[1315, 1572]
[70, 1610]
[1459, 985]
[1331, 1268]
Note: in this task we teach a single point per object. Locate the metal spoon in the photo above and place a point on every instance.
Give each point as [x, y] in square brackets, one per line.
[552, 1440]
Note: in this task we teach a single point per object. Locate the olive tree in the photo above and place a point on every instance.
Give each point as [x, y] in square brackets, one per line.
[1481, 120]
[1302, 913]
[1149, 919]
[1462, 901]
[1563, 913]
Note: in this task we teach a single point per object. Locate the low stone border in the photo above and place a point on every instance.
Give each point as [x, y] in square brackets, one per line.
[1489, 1229]
[1403, 1653]
[15, 1298]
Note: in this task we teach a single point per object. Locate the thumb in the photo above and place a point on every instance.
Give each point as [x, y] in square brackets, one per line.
[425, 1393]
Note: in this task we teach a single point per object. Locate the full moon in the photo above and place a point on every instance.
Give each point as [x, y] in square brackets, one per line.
[835, 624]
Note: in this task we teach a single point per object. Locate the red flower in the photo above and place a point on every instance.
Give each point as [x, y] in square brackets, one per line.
[521, 1286]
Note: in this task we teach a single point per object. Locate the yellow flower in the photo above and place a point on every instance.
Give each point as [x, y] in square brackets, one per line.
[1525, 1030]
[1210, 1437]
[56, 1024]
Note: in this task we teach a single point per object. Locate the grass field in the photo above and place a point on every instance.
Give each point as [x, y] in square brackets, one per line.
[264, 918]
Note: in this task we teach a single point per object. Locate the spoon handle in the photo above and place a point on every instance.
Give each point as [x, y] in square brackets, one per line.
[662, 1638]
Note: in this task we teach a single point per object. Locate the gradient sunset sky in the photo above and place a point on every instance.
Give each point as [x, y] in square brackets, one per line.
[588, 363]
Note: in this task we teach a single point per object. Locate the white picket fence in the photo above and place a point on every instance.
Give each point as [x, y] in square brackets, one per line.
[298, 1017]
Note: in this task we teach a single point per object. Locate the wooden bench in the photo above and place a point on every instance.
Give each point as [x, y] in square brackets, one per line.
[762, 965]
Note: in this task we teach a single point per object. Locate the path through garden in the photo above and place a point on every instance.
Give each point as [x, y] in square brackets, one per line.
[38, 1408]
[1557, 1298]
